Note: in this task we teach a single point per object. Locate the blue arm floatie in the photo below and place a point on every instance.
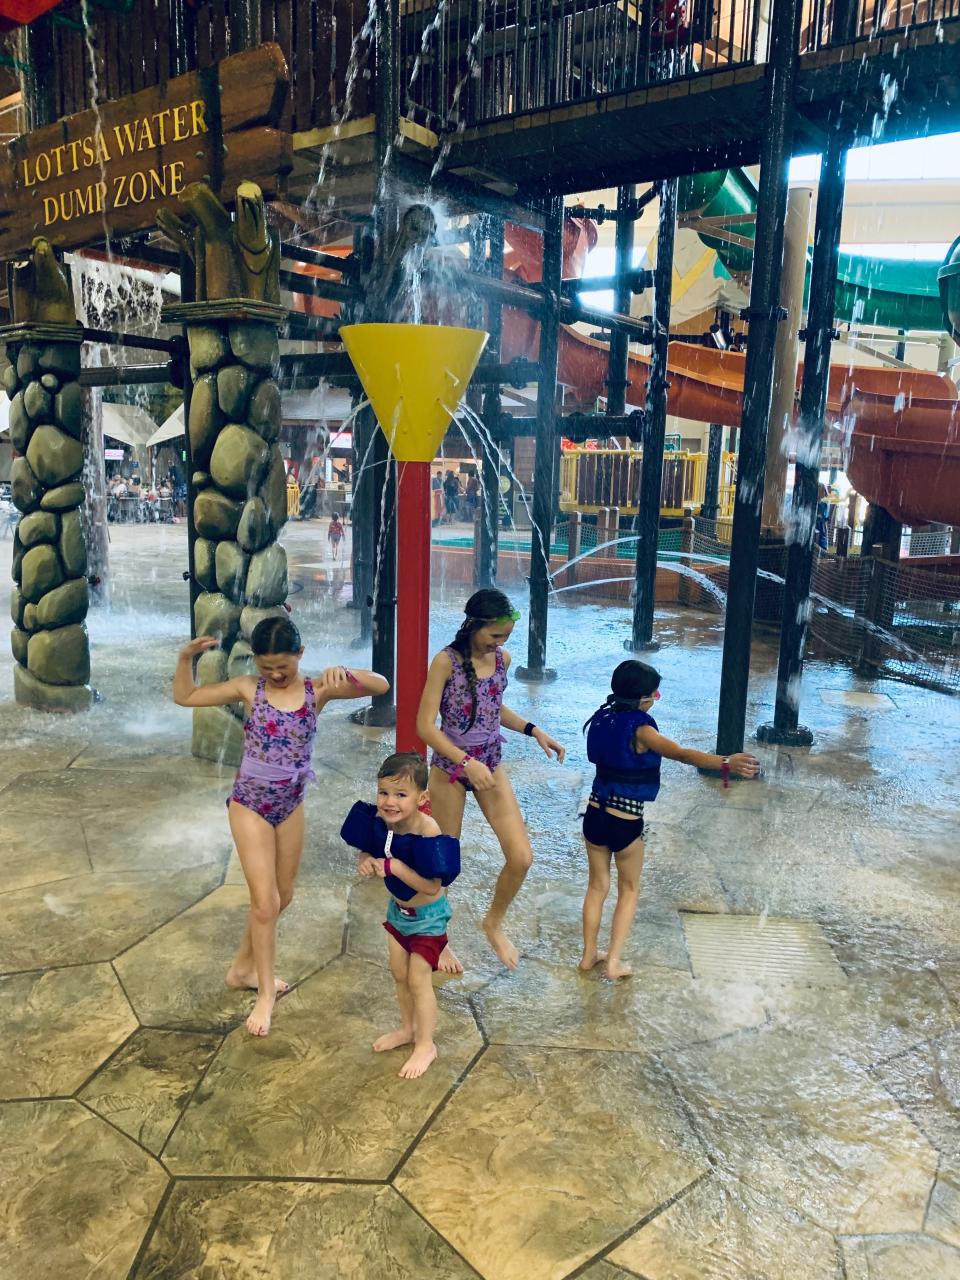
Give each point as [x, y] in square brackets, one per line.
[433, 857]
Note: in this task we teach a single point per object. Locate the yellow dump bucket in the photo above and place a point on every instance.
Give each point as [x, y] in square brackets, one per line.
[414, 376]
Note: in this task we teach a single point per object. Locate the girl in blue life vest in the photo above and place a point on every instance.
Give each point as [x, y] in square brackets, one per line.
[625, 746]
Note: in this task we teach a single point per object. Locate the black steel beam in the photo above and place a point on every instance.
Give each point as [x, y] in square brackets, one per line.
[710, 507]
[632, 281]
[764, 314]
[801, 527]
[654, 433]
[488, 535]
[547, 442]
[623, 280]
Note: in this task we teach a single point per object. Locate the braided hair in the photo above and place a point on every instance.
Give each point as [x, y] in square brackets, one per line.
[631, 682]
[275, 635]
[483, 607]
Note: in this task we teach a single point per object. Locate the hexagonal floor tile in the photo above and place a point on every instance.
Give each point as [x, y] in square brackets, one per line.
[94, 916]
[78, 1195]
[58, 1027]
[39, 852]
[175, 976]
[926, 1083]
[542, 1157]
[784, 1111]
[294, 1231]
[312, 1099]
[119, 842]
[543, 1004]
[872, 1017]
[721, 1230]
[657, 937]
[92, 791]
[149, 1082]
[897, 1257]
[943, 1215]
[606, 1271]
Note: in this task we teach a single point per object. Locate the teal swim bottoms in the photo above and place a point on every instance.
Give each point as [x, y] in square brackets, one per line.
[428, 921]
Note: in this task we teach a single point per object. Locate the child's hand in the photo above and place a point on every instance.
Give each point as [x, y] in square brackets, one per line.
[367, 866]
[478, 775]
[744, 765]
[550, 745]
[190, 651]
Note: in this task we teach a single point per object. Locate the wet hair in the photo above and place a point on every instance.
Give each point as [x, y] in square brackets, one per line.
[483, 607]
[631, 682]
[405, 764]
[275, 636]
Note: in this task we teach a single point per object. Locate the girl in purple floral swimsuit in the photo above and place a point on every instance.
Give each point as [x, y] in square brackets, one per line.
[465, 688]
[265, 808]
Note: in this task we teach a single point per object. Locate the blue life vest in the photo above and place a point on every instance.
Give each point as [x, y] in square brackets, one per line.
[433, 857]
[621, 770]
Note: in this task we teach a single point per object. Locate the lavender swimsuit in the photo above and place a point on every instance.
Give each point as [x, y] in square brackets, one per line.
[275, 768]
[483, 738]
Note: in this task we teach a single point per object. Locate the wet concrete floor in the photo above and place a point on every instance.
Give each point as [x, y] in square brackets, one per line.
[774, 1095]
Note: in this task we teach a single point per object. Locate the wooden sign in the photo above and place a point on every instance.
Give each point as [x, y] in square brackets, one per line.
[107, 171]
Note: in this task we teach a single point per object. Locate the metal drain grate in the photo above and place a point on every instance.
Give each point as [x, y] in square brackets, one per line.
[763, 949]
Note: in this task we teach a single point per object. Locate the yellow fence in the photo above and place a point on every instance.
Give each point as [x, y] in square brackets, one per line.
[595, 478]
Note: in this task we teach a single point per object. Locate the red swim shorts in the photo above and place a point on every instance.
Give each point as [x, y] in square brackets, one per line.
[428, 947]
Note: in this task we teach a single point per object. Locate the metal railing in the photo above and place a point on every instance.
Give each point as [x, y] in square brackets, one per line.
[478, 61]
[592, 479]
[828, 22]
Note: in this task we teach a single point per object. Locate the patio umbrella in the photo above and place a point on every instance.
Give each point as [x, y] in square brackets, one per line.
[169, 430]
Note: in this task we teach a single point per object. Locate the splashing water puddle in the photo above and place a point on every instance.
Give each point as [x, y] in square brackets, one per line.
[763, 949]
[853, 698]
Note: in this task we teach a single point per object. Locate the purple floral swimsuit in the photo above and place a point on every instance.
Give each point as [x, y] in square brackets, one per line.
[482, 739]
[275, 768]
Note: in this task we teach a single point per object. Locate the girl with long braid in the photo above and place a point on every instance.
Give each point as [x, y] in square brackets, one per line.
[465, 687]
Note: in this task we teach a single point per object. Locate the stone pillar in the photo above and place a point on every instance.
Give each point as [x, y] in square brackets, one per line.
[50, 597]
[238, 483]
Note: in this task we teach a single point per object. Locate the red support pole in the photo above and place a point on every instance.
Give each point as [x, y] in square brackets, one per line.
[413, 597]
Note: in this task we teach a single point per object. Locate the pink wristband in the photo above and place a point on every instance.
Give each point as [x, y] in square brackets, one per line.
[386, 866]
[352, 678]
[725, 771]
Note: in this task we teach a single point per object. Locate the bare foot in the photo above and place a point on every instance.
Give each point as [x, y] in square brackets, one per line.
[506, 951]
[248, 982]
[586, 964]
[258, 1024]
[615, 970]
[448, 962]
[392, 1040]
[418, 1062]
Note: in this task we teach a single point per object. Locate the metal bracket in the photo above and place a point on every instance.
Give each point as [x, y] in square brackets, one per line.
[777, 313]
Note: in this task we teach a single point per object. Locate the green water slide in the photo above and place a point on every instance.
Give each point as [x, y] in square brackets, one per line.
[887, 292]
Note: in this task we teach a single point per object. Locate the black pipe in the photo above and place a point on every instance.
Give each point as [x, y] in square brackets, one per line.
[112, 337]
[618, 359]
[547, 443]
[317, 258]
[710, 508]
[801, 528]
[634, 281]
[764, 314]
[127, 375]
[654, 430]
